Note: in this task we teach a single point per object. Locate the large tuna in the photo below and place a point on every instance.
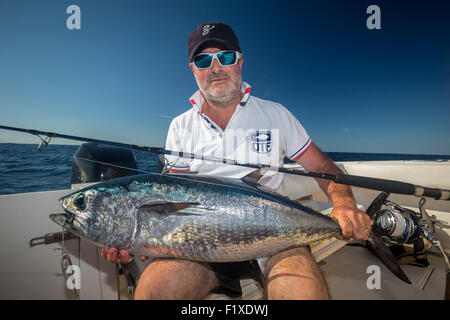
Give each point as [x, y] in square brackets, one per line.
[191, 217]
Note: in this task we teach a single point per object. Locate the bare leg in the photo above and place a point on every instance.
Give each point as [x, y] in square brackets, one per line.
[293, 274]
[175, 279]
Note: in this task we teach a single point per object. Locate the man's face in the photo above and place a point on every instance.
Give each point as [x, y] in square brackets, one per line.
[219, 84]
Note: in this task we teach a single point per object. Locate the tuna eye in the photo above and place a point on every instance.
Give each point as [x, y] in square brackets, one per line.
[80, 202]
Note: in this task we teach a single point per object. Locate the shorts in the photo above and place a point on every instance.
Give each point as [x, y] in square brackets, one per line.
[229, 274]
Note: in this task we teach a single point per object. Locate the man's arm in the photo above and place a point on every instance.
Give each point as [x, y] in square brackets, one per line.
[354, 223]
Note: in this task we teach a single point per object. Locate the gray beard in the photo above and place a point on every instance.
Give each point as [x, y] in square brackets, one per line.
[222, 100]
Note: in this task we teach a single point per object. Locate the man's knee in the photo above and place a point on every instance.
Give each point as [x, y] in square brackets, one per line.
[293, 274]
[296, 259]
[175, 279]
[152, 284]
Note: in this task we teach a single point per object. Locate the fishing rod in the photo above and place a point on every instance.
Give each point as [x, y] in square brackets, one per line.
[390, 186]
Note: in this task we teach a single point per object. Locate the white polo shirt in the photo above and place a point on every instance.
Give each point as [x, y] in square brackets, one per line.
[260, 131]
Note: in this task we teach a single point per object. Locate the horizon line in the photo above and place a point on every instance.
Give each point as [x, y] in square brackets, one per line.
[387, 153]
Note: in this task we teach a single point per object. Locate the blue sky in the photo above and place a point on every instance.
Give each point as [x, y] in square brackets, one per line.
[125, 74]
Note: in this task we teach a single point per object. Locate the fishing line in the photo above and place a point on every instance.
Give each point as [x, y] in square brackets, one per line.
[79, 252]
[112, 165]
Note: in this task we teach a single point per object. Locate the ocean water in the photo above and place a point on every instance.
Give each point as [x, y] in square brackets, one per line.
[24, 169]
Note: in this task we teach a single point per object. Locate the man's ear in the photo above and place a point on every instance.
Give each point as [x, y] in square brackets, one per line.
[241, 62]
[191, 66]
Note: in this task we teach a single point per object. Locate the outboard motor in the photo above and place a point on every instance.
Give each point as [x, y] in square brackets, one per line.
[93, 162]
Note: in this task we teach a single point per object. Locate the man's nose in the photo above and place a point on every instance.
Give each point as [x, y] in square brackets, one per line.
[216, 67]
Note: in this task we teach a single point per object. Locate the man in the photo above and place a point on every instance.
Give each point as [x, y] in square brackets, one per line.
[223, 109]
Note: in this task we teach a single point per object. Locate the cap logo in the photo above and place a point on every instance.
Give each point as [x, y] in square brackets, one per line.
[206, 29]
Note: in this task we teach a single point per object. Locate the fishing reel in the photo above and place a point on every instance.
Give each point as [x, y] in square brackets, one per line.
[399, 225]
[396, 225]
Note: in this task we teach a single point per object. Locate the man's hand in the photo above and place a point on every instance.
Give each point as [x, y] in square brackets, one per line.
[354, 223]
[115, 255]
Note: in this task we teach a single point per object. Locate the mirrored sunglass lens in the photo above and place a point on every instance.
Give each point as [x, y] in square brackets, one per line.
[227, 58]
[203, 61]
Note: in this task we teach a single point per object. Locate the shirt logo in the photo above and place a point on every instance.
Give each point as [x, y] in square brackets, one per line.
[206, 29]
[261, 141]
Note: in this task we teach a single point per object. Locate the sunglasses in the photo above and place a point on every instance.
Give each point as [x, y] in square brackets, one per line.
[226, 58]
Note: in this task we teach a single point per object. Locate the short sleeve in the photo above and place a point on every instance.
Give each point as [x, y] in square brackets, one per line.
[296, 139]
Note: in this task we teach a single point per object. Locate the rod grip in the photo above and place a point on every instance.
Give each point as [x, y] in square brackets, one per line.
[438, 194]
[376, 184]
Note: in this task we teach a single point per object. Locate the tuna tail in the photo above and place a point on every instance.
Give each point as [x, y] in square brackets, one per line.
[376, 244]
[378, 248]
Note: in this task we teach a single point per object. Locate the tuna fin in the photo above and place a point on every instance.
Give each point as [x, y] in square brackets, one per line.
[252, 178]
[376, 204]
[376, 245]
[168, 207]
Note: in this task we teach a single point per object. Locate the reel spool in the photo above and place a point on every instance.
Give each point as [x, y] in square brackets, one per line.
[397, 225]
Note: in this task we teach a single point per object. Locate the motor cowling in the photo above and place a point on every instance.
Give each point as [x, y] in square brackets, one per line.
[93, 162]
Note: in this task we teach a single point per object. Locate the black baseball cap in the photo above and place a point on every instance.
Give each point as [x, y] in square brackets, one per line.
[217, 32]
